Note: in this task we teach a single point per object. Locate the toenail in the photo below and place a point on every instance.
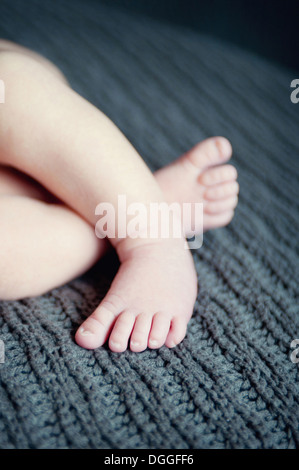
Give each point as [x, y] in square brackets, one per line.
[172, 344]
[222, 146]
[153, 342]
[115, 345]
[134, 343]
[85, 332]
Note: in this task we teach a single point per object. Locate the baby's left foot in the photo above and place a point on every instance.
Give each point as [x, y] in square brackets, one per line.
[202, 175]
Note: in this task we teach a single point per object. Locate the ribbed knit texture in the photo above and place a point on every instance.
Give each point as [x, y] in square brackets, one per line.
[230, 383]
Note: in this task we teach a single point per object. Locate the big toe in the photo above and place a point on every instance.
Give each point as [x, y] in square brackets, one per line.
[209, 152]
[94, 332]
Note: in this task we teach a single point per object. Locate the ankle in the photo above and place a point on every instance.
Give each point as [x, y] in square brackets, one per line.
[153, 247]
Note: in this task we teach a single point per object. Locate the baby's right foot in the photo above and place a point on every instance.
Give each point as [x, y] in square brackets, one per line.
[150, 301]
[200, 176]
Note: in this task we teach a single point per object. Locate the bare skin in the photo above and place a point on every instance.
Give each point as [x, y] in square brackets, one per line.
[55, 215]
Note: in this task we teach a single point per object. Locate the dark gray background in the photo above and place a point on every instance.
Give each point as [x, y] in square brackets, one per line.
[231, 382]
[266, 27]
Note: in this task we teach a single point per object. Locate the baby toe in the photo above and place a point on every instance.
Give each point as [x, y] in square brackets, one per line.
[159, 330]
[212, 151]
[222, 219]
[121, 332]
[177, 332]
[221, 191]
[218, 175]
[223, 205]
[139, 337]
[94, 332]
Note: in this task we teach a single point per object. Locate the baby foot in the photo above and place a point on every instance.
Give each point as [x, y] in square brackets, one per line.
[152, 296]
[149, 302]
[200, 176]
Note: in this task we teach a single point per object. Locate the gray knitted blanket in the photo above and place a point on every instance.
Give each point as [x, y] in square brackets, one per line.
[231, 383]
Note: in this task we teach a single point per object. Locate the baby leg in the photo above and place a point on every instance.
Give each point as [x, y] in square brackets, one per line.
[10, 46]
[182, 181]
[44, 243]
[75, 151]
[42, 246]
[80, 156]
[14, 183]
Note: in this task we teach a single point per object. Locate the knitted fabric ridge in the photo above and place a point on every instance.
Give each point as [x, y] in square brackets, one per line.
[231, 382]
